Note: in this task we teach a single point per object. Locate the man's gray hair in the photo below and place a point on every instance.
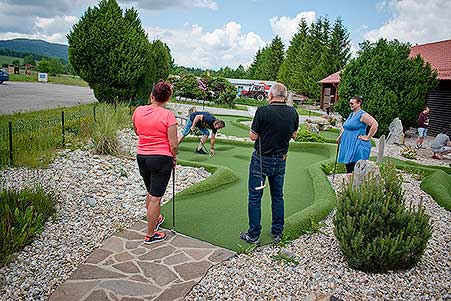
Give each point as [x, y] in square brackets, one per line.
[278, 90]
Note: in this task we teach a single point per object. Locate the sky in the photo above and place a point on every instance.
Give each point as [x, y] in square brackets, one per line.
[210, 34]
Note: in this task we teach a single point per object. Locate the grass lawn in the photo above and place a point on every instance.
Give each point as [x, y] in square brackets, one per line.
[219, 214]
[4, 59]
[60, 79]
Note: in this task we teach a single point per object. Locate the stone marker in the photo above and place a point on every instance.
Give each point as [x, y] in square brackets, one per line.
[380, 152]
[362, 170]
[396, 135]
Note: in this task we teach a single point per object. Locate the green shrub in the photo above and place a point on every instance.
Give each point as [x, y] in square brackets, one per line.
[22, 216]
[408, 152]
[328, 168]
[306, 136]
[375, 231]
[250, 102]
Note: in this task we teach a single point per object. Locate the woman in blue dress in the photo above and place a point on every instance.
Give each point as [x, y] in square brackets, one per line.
[355, 143]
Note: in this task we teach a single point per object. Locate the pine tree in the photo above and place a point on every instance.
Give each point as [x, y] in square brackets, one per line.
[272, 62]
[110, 50]
[290, 72]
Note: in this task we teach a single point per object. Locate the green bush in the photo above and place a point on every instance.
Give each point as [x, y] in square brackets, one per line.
[22, 216]
[328, 168]
[306, 136]
[408, 152]
[375, 230]
[391, 83]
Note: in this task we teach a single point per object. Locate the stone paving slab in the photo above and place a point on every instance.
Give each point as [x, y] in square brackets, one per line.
[125, 268]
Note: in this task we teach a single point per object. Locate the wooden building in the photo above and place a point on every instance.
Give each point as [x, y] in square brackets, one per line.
[438, 54]
[329, 90]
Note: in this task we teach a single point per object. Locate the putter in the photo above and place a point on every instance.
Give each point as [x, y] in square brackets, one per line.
[261, 166]
[173, 200]
[336, 158]
[200, 140]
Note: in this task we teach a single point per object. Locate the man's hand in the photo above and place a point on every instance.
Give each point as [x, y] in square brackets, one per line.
[212, 152]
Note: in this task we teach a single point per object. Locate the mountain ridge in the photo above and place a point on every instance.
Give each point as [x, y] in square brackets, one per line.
[35, 46]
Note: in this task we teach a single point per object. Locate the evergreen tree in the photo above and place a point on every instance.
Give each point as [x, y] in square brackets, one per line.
[290, 72]
[339, 47]
[391, 83]
[273, 60]
[110, 51]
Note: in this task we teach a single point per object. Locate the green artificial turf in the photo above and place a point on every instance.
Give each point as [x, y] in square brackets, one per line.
[438, 185]
[233, 126]
[216, 211]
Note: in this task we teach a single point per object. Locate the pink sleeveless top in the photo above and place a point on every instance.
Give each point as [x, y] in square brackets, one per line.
[152, 124]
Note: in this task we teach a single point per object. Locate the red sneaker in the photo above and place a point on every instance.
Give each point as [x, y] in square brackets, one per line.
[157, 236]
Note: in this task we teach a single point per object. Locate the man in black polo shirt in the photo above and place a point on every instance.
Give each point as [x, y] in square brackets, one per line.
[203, 121]
[272, 128]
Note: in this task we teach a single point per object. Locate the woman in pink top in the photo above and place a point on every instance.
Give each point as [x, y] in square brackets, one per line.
[156, 128]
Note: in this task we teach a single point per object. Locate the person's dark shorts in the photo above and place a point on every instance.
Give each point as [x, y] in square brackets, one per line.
[156, 172]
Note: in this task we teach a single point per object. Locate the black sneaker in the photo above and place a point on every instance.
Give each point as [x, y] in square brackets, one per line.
[277, 238]
[159, 222]
[244, 236]
[201, 151]
[157, 236]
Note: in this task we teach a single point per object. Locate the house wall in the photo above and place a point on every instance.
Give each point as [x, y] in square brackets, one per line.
[439, 103]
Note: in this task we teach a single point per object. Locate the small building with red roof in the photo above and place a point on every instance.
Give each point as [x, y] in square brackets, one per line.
[329, 90]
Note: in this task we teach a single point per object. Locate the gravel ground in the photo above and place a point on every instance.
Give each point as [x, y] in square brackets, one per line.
[323, 270]
[97, 196]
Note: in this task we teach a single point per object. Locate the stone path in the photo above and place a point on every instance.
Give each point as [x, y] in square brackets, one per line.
[125, 268]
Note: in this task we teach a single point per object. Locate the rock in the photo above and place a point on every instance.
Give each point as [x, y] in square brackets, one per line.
[396, 135]
[364, 169]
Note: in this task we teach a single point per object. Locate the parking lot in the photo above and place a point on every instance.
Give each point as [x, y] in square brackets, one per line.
[24, 97]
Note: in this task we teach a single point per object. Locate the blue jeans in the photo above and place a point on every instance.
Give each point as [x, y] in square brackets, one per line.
[273, 168]
[188, 125]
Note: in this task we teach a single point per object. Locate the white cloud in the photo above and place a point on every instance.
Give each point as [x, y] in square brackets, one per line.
[415, 21]
[286, 27]
[194, 47]
[165, 4]
[53, 30]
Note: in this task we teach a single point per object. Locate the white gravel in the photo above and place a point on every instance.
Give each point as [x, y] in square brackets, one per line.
[323, 270]
[99, 195]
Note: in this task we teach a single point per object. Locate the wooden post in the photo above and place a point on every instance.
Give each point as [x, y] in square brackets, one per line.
[10, 128]
[62, 126]
[380, 152]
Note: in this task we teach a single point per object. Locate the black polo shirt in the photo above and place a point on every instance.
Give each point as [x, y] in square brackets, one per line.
[275, 123]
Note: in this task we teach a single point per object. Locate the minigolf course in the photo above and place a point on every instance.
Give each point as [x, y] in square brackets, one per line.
[215, 210]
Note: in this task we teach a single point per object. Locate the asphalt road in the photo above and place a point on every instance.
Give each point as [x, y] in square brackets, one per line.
[24, 97]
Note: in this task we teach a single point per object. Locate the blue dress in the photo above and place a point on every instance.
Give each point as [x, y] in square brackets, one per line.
[353, 149]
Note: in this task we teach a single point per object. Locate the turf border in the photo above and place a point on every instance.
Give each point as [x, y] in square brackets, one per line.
[438, 186]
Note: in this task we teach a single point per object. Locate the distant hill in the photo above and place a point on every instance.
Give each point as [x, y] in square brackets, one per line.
[38, 47]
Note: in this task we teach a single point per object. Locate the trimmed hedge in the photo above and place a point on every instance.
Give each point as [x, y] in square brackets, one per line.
[438, 186]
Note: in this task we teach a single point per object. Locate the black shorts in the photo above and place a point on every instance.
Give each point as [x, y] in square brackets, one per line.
[156, 172]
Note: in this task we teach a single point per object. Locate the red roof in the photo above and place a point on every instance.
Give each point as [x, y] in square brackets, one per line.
[438, 54]
[331, 79]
